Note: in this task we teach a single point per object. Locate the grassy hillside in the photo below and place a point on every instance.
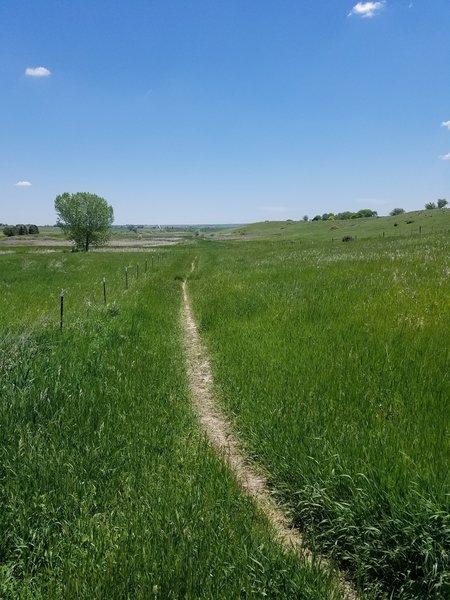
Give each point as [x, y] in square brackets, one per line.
[412, 223]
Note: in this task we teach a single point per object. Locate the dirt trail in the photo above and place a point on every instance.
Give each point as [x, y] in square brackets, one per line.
[218, 430]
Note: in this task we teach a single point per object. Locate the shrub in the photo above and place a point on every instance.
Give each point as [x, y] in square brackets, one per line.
[21, 229]
[9, 230]
[344, 216]
[367, 212]
[397, 211]
[348, 238]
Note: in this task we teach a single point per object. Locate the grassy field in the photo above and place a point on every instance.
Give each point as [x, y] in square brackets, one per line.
[107, 488]
[334, 361]
[331, 358]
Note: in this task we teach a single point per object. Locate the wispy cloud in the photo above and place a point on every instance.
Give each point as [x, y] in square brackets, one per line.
[445, 156]
[23, 184]
[367, 9]
[37, 72]
[446, 124]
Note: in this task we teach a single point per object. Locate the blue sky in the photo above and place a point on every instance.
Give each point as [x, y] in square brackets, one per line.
[223, 112]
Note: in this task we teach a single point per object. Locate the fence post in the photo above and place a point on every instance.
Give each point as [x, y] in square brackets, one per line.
[104, 291]
[137, 271]
[61, 318]
[146, 265]
[126, 278]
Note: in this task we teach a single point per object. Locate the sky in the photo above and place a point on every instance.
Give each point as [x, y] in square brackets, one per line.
[206, 111]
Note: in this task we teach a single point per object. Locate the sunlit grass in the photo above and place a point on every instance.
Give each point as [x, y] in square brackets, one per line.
[334, 361]
[107, 487]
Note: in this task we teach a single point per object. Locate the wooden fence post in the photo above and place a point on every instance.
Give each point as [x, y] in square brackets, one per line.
[61, 317]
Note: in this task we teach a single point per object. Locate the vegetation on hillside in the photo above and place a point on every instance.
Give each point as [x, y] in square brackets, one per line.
[422, 222]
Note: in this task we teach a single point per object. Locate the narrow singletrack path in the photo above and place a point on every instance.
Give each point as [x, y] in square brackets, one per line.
[218, 430]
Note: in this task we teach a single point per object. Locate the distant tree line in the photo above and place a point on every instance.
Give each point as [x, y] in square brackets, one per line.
[20, 229]
[343, 216]
[367, 212]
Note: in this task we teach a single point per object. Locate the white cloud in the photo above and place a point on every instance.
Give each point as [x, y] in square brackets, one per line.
[23, 184]
[445, 156]
[366, 9]
[446, 124]
[37, 72]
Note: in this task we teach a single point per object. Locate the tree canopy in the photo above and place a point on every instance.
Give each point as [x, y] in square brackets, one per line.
[397, 211]
[85, 218]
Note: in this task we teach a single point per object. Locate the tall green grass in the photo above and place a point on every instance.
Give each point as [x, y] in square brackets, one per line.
[107, 488]
[334, 362]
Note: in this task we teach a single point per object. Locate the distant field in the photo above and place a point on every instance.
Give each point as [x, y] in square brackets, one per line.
[422, 222]
[107, 487]
[334, 362]
[138, 235]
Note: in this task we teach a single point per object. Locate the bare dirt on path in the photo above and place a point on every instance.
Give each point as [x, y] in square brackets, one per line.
[219, 432]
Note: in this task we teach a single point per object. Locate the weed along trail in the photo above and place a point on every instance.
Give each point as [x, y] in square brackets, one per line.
[218, 430]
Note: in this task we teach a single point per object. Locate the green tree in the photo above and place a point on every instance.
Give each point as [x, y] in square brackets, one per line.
[442, 203]
[397, 211]
[344, 216]
[33, 229]
[21, 229]
[9, 230]
[430, 205]
[85, 218]
[366, 212]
